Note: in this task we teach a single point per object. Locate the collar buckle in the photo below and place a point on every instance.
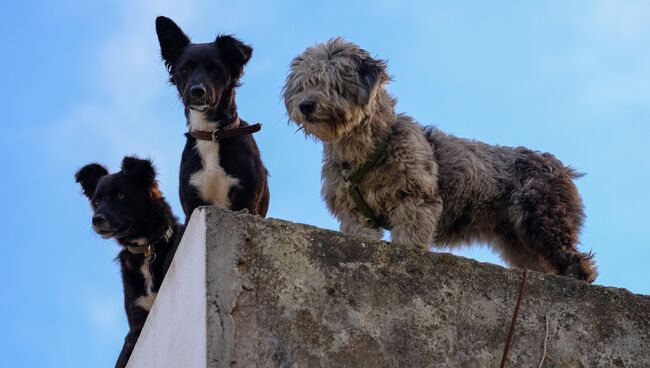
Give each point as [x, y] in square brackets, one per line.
[150, 255]
[352, 179]
[215, 134]
[149, 249]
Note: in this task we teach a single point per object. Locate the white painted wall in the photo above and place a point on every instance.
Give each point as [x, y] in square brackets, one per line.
[174, 334]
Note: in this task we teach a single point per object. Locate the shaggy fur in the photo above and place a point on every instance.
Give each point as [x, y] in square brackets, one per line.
[431, 187]
[129, 207]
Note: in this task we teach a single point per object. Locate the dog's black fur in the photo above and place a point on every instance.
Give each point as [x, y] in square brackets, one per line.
[206, 76]
[129, 207]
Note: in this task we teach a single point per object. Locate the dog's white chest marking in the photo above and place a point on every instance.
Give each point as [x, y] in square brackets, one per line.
[146, 301]
[212, 182]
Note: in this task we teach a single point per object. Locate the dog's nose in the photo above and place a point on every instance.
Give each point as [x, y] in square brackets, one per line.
[99, 219]
[307, 107]
[197, 91]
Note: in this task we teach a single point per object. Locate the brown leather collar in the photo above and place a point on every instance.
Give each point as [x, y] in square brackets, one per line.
[231, 131]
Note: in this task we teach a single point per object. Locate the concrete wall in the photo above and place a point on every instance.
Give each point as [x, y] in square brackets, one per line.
[278, 294]
[174, 334]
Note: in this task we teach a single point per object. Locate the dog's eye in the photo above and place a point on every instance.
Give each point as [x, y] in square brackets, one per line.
[186, 70]
[95, 202]
[120, 196]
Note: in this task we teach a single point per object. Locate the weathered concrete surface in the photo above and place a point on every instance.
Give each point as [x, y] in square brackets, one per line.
[281, 294]
[286, 295]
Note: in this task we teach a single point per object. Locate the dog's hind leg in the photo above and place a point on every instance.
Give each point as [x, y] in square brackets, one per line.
[548, 214]
[557, 248]
[518, 254]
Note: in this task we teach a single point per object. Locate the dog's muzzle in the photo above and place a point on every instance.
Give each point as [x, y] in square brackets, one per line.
[105, 229]
[199, 108]
[307, 107]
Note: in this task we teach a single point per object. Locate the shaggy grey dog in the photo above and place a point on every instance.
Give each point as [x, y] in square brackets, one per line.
[426, 186]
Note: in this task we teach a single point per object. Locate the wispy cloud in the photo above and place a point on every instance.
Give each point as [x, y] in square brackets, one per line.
[123, 114]
[627, 21]
[608, 33]
[105, 315]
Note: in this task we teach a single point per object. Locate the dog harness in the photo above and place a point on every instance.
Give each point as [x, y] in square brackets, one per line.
[352, 180]
[231, 131]
[149, 250]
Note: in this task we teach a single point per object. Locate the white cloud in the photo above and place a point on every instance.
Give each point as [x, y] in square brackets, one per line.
[105, 314]
[607, 52]
[123, 114]
[626, 20]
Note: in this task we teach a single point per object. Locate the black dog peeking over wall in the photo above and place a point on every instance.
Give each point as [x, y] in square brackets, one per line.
[129, 207]
[221, 163]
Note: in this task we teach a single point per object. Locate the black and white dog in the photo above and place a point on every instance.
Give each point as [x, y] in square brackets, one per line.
[221, 163]
[129, 207]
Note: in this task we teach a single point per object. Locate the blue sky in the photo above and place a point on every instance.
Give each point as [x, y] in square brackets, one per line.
[82, 81]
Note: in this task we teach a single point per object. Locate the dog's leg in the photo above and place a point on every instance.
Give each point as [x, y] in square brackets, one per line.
[516, 253]
[556, 241]
[548, 219]
[190, 199]
[415, 224]
[354, 226]
[135, 314]
[247, 195]
[129, 343]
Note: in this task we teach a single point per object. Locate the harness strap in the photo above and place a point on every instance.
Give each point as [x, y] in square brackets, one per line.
[352, 180]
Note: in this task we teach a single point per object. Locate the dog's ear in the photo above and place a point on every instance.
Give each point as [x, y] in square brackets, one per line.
[88, 176]
[372, 74]
[139, 170]
[172, 41]
[235, 52]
